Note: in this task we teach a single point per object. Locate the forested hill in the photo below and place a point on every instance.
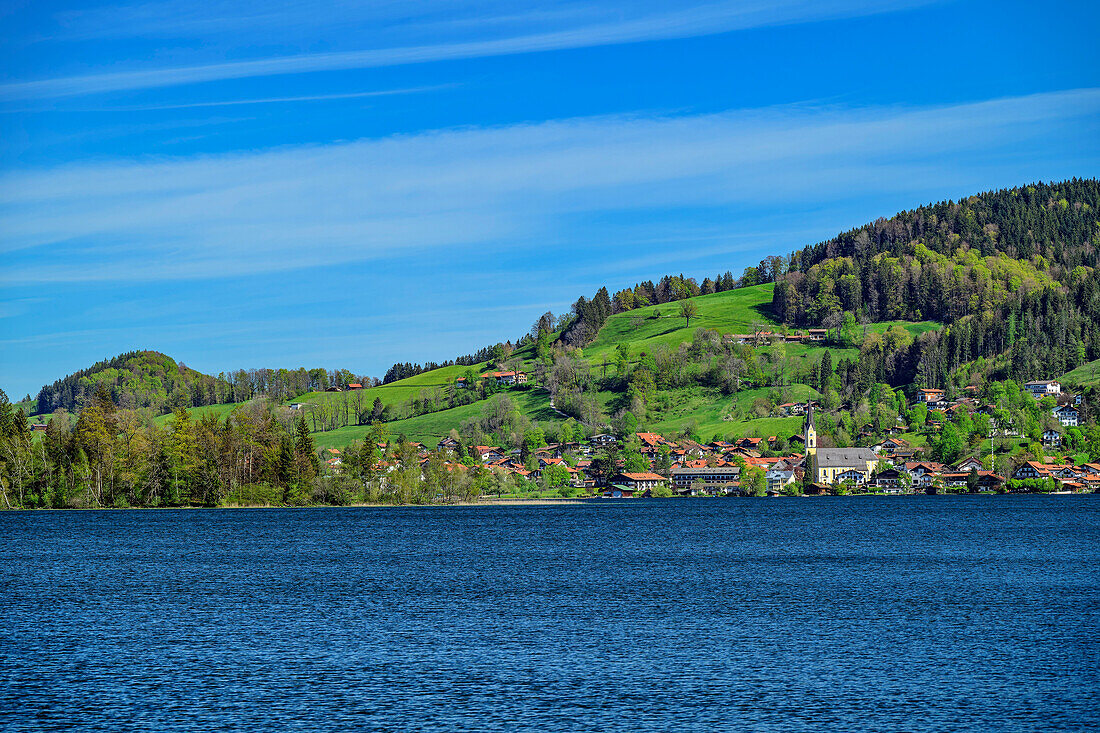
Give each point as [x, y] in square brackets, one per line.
[149, 379]
[133, 380]
[1012, 272]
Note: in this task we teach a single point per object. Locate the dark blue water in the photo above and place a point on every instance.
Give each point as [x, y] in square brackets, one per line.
[911, 613]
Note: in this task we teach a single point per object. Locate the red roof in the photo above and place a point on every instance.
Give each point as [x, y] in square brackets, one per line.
[644, 477]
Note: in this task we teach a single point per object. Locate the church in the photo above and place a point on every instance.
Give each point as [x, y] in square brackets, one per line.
[836, 465]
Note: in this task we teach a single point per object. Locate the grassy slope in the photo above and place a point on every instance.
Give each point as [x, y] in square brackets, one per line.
[428, 429]
[710, 412]
[398, 392]
[1084, 375]
[734, 311]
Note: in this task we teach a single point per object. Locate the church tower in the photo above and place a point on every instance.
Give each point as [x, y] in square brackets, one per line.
[811, 431]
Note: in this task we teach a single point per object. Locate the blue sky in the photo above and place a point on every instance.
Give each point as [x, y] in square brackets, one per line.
[347, 184]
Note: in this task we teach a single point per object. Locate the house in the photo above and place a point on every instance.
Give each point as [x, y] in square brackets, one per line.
[777, 478]
[890, 446]
[1043, 387]
[639, 481]
[969, 464]
[817, 334]
[932, 396]
[333, 388]
[923, 473]
[39, 426]
[989, 481]
[1030, 470]
[487, 453]
[851, 476]
[618, 492]
[793, 408]
[889, 479]
[710, 475]
[447, 444]
[1067, 415]
[603, 440]
[354, 387]
[1052, 439]
[651, 443]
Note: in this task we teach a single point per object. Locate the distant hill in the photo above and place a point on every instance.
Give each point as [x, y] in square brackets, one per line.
[134, 380]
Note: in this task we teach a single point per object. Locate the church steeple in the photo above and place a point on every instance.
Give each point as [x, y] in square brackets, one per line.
[811, 430]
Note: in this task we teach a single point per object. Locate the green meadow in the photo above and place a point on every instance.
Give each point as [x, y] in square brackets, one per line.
[1084, 375]
[705, 410]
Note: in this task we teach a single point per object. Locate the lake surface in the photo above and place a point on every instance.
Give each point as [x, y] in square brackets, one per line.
[856, 613]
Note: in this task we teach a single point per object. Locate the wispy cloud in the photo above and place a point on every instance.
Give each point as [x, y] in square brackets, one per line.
[453, 190]
[260, 100]
[625, 25]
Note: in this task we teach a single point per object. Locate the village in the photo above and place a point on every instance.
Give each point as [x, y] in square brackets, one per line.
[593, 468]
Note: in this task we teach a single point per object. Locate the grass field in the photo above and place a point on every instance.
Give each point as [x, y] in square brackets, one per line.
[430, 428]
[399, 392]
[733, 311]
[711, 414]
[1084, 375]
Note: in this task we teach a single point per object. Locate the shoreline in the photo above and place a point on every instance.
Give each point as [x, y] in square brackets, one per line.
[504, 502]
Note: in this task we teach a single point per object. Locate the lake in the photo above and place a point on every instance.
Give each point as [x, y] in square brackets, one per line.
[854, 613]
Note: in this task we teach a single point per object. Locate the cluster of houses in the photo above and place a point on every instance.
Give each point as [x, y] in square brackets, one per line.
[890, 465]
[1067, 409]
[761, 338]
[505, 379]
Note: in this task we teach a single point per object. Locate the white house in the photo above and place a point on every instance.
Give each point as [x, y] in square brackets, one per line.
[1067, 415]
[1042, 387]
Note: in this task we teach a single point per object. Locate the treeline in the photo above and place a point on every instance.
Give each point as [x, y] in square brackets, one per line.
[114, 457]
[149, 379]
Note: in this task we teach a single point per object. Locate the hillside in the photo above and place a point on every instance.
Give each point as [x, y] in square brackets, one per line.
[931, 298]
[701, 409]
[137, 379]
[1086, 375]
[1010, 273]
